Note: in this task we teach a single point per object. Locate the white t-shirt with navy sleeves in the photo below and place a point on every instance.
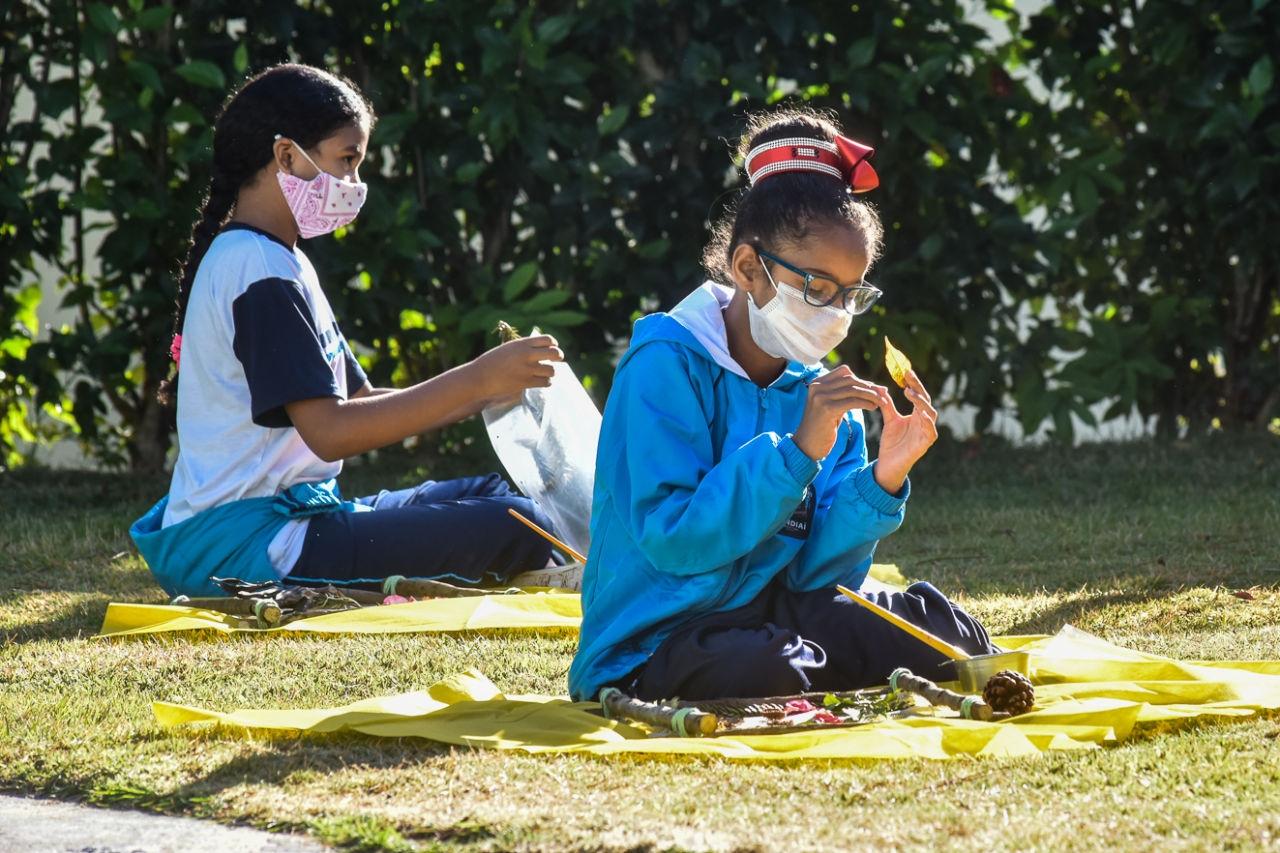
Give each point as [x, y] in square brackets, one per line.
[258, 334]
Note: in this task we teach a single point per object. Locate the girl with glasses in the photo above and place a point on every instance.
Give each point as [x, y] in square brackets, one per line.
[733, 488]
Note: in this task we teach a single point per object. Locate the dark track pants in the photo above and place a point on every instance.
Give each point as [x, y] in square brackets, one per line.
[786, 642]
[452, 530]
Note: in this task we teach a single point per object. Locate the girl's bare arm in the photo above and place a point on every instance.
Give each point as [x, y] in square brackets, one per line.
[336, 429]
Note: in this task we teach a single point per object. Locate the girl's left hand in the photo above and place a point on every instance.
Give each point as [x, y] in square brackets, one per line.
[905, 438]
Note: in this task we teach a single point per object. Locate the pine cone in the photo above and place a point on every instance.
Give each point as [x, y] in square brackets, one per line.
[1010, 692]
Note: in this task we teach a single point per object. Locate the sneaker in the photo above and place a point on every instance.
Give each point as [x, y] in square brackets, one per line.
[564, 578]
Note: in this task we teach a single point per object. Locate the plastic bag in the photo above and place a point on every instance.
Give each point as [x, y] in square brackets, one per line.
[547, 442]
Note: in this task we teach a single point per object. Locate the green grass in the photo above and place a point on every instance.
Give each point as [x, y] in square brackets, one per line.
[1142, 544]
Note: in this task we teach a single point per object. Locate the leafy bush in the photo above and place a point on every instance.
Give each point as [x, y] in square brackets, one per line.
[555, 165]
[1163, 204]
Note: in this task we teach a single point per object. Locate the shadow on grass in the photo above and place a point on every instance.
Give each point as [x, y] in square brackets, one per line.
[1145, 571]
[297, 759]
[305, 755]
[38, 490]
[86, 590]
[1077, 609]
[76, 620]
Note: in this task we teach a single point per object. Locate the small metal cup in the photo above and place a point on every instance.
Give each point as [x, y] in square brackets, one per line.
[974, 673]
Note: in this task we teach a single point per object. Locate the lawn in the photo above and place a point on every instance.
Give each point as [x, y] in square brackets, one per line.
[1142, 544]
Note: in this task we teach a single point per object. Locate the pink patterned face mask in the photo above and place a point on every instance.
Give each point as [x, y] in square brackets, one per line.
[323, 204]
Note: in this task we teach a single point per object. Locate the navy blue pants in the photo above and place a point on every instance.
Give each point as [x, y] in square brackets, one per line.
[787, 642]
[452, 530]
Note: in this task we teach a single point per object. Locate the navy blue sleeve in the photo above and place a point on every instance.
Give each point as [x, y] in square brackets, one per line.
[277, 343]
[356, 377]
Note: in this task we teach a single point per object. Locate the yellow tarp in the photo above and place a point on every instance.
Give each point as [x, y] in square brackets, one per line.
[1089, 693]
[481, 613]
[437, 615]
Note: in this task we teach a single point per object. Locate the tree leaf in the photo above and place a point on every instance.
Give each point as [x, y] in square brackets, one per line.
[184, 113]
[555, 29]
[153, 18]
[1245, 174]
[240, 59]
[15, 346]
[564, 318]
[468, 173]
[546, 300]
[27, 301]
[654, 250]
[783, 21]
[391, 128]
[861, 52]
[613, 120]
[144, 73]
[103, 17]
[897, 363]
[1085, 195]
[202, 73]
[1261, 77]
[519, 280]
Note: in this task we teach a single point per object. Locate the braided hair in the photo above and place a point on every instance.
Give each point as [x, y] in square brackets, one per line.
[787, 207]
[300, 102]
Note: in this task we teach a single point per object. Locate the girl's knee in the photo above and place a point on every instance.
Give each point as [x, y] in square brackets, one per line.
[495, 485]
[951, 621]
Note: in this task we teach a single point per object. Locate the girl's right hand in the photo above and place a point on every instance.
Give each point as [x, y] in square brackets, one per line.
[510, 368]
[830, 397]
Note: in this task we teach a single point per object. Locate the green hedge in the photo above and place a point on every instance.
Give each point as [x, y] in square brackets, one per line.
[555, 164]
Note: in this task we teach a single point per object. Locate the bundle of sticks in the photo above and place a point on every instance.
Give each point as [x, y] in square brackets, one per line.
[766, 715]
[711, 718]
[271, 603]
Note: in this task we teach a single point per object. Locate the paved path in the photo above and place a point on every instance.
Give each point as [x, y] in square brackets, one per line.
[47, 825]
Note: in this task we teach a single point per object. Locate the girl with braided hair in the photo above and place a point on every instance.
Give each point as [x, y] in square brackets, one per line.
[271, 399]
[734, 490]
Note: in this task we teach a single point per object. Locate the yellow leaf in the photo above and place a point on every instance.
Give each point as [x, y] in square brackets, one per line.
[899, 365]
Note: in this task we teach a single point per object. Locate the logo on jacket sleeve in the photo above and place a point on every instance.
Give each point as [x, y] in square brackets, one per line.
[800, 522]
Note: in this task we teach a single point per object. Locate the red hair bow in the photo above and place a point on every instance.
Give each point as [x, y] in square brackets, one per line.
[842, 158]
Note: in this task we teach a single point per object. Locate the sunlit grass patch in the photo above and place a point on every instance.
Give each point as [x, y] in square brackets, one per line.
[1145, 546]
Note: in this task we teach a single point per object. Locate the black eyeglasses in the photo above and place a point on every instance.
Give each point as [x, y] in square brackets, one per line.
[820, 291]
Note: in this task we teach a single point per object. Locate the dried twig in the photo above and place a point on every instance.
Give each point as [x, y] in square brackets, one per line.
[969, 707]
[685, 722]
[266, 611]
[424, 588]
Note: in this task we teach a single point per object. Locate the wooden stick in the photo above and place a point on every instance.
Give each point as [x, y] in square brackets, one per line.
[578, 558]
[970, 707]
[416, 588]
[686, 722]
[425, 588]
[919, 633]
[264, 610]
[363, 597]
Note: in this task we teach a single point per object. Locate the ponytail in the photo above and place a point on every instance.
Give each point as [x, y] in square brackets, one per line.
[213, 215]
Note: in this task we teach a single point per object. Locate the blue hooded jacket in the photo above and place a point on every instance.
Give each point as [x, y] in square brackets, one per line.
[696, 478]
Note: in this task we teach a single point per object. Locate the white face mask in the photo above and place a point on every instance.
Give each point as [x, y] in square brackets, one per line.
[788, 327]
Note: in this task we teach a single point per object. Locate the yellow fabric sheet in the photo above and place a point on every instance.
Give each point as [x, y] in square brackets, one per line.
[481, 613]
[1089, 693]
[541, 610]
